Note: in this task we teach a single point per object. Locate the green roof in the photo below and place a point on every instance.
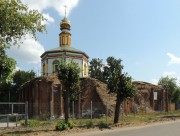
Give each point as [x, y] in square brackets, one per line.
[65, 48]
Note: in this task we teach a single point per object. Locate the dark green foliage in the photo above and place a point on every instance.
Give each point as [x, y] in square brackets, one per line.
[112, 71]
[103, 124]
[6, 92]
[10, 91]
[125, 87]
[177, 95]
[96, 69]
[63, 125]
[118, 83]
[89, 124]
[20, 77]
[68, 74]
[16, 20]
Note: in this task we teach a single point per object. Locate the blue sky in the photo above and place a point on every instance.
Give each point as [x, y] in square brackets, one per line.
[145, 34]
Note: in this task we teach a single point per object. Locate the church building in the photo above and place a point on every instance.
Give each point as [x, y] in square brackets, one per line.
[50, 59]
[44, 94]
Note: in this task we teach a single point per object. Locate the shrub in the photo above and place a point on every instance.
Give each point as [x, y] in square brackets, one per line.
[62, 125]
[89, 124]
[102, 124]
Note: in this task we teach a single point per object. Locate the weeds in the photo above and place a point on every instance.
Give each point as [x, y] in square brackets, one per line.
[103, 124]
[62, 125]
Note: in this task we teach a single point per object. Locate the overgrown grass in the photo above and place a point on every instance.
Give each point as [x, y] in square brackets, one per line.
[108, 122]
[34, 123]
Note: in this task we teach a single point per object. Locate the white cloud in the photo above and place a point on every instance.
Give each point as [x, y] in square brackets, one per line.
[58, 5]
[17, 68]
[49, 19]
[173, 59]
[28, 52]
[154, 81]
[169, 74]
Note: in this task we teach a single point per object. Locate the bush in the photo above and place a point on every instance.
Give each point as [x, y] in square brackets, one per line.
[89, 124]
[62, 125]
[102, 124]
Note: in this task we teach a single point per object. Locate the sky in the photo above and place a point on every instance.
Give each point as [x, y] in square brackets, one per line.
[145, 34]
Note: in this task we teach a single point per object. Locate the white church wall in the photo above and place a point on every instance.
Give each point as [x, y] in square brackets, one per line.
[79, 62]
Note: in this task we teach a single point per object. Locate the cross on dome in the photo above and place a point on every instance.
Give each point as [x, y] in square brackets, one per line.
[65, 9]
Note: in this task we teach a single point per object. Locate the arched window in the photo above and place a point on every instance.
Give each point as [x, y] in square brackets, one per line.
[66, 39]
[63, 40]
[55, 66]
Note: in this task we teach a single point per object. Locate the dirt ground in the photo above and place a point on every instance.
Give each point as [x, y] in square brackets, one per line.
[50, 130]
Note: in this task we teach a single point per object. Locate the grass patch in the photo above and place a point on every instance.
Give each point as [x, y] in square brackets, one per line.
[108, 122]
[34, 123]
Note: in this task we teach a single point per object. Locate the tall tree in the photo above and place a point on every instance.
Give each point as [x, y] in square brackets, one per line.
[16, 20]
[68, 74]
[96, 69]
[118, 83]
[169, 84]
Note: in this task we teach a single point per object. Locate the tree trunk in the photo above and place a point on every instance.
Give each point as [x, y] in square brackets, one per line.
[117, 110]
[66, 105]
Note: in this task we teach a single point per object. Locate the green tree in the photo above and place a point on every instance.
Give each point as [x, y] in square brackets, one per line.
[9, 90]
[177, 95]
[5, 91]
[118, 83]
[68, 74]
[16, 20]
[169, 84]
[96, 69]
[7, 65]
[19, 78]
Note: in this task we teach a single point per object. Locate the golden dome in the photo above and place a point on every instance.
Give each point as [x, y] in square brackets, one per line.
[65, 21]
[65, 24]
